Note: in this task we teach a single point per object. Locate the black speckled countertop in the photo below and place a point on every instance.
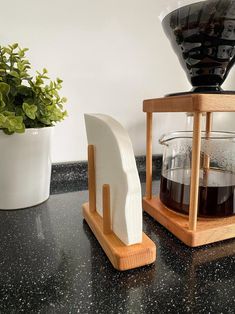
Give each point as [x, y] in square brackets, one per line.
[51, 263]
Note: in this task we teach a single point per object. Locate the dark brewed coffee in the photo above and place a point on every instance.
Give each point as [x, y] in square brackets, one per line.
[216, 192]
[203, 36]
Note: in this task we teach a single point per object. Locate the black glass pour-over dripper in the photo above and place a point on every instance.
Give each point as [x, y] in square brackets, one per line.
[202, 35]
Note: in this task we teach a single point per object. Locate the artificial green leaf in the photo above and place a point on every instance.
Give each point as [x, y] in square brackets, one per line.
[20, 130]
[2, 119]
[21, 53]
[2, 103]
[6, 50]
[14, 73]
[15, 122]
[30, 110]
[13, 90]
[45, 121]
[8, 113]
[14, 46]
[63, 99]
[7, 132]
[24, 90]
[4, 88]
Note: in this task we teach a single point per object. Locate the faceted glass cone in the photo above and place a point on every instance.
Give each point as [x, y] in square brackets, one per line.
[202, 35]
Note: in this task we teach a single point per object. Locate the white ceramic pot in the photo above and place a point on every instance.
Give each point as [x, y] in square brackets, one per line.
[25, 168]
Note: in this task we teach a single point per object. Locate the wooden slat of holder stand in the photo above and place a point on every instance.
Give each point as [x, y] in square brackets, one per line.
[189, 229]
[121, 256]
[191, 103]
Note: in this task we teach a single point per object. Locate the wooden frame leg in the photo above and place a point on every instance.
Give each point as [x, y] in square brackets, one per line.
[91, 178]
[149, 156]
[208, 122]
[206, 165]
[107, 229]
[195, 172]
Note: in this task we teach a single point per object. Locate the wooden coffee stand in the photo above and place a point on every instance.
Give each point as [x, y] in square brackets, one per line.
[193, 231]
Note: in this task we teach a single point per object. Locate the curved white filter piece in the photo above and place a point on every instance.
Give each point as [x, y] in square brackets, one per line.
[115, 165]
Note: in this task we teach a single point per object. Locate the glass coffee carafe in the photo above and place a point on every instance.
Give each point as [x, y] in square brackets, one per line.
[217, 173]
[202, 35]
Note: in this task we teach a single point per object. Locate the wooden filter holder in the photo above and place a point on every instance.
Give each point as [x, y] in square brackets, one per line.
[121, 256]
[191, 230]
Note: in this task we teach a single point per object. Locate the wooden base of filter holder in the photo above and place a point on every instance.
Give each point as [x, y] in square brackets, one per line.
[208, 230]
[121, 256]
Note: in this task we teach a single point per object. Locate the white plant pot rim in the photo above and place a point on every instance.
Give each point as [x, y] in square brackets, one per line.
[28, 130]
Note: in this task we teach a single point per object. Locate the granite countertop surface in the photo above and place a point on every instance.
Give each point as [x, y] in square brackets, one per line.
[51, 263]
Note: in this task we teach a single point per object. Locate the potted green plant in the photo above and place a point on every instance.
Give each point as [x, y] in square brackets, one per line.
[29, 108]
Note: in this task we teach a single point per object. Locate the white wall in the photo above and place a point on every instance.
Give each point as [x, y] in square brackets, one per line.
[111, 54]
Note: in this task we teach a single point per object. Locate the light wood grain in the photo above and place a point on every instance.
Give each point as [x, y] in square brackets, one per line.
[149, 125]
[121, 256]
[208, 230]
[208, 123]
[206, 164]
[206, 161]
[191, 103]
[195, 171]
[91, 177]
[107, 229]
